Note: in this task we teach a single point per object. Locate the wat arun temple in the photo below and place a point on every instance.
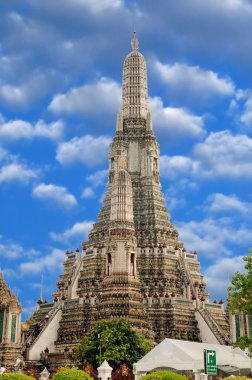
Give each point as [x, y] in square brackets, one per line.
[133, 265]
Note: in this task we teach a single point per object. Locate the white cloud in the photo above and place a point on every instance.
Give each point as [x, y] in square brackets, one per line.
[227, 203]
[78, 231]
[55, 194]
[10, 250]
[224, 155]
[17, 172]
[12, 94]
[220, 155]
[98, 178]
[95, 179]
[100, 98]
[3, 153]
[213, 237]
[175, 122]
[176, 193]
[20, 92]
[20, 129]
[48, 262]
[193, 82]
[217, 279]
[53, 131]
[246, 116]
[97, 6]
[87, 192]
[88, 150]
[175, 166]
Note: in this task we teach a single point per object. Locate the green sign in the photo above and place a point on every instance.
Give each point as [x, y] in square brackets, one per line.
[210, 362]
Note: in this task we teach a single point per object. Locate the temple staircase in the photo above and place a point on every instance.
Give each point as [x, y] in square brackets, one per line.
[218, 332]
[46, 336]
[186, 275]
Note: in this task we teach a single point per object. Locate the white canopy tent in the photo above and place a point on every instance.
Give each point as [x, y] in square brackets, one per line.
[188, 356]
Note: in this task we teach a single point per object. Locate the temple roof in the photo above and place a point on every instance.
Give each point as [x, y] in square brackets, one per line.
[6, 297]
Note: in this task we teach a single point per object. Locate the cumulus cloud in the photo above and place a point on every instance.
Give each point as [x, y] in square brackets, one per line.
[49, 262]
[17, 172]
[96, 99]
[98, 178]
[78, 232]
[223, 154]
[97, 6]
[87, 192]
[3, 153]
[10, 250]
[218, 279]
[220, 155]
[212, 237]
[95, 180]
[175, 122]
[219, 203]
[175, 166]
[246, 113]
[21, 92]
[20, 129]
[55, 194]
[89, 150]
[193, 82]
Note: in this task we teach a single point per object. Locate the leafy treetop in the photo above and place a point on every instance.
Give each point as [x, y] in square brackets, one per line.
[240, 291]
[119, 344]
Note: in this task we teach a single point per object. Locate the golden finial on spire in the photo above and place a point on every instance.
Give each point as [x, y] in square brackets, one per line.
[134, 41]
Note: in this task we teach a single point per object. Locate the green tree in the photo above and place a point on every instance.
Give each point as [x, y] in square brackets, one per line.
[240, 291]
[163, 375]
[245, 342]
[71, 374]
[119, 344]
[16, 376]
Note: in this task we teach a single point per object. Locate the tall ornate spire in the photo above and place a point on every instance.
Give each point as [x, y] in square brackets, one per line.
[135, 93]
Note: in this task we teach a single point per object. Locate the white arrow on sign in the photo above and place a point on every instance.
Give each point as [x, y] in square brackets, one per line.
[208, 356]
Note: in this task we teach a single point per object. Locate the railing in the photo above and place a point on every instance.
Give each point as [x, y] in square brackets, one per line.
[187, 275]
[219, 333]
[33, 337]
[75, 272]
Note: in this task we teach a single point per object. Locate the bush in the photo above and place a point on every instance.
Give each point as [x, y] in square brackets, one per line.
[237, 378]
[163, 375]
[71, 374]
[16, 376]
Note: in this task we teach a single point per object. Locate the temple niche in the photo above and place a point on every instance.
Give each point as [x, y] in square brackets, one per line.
[10, 326]
[133, 265]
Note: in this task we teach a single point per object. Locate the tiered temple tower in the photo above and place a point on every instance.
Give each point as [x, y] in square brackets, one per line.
[133, 264]
[10, 326]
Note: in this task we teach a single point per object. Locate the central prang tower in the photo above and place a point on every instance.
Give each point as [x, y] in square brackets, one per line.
[136, 146]
[133, 265]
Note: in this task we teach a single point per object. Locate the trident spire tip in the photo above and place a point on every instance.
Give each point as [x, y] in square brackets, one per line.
[134, 41]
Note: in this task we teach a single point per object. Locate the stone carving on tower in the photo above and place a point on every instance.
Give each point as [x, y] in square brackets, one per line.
[134, 264]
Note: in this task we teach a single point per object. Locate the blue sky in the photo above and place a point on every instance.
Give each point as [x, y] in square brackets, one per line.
[60, 87]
